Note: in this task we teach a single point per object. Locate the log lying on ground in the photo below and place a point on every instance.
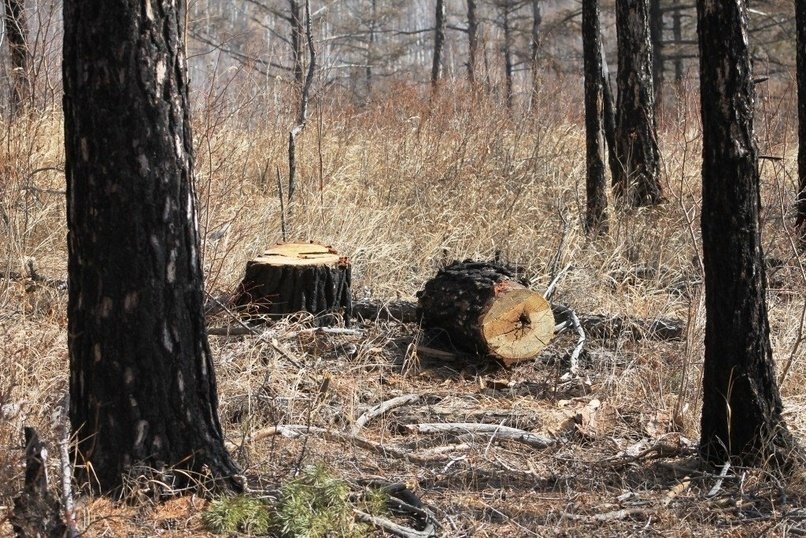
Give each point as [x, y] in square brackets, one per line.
[295, 277]
[595, 325]
[483, 309]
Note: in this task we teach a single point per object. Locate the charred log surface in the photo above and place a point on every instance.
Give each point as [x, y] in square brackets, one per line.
[36, 511]
[483, 309]
[599, 326]
[297, 277]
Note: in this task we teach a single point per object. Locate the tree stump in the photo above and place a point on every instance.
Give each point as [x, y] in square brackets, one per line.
[297, 277]
[485, 310]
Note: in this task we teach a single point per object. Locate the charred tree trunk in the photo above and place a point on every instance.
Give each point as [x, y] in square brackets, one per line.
[472, 41]
[439, 43]
[297, 277]
[484, 309]
[609, 114]
[656, 39]
[297, 33]
[677, 34]
[16, 35]
[537, 19]
[595, 216]
[142, 385]
[636, 180]
[800, 223]
[741, 415]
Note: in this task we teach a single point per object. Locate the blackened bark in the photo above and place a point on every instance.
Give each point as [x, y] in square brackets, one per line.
[534, 45]
[292, 278]
[472, 41]
[595, 216]
[677, 33]
[297, 34]
[800, 22]
[16, 35]
[484, 308]
[656, 38]
[142, 385]
[636, 179]
[741, 415]
[609, 112]
[439, 42]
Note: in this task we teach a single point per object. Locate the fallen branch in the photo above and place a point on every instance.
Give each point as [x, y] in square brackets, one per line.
[238, 330]
[575, 323]
[382, 408]
[497, 432]
[393, 528]
[294, 431]
[718, 485]
[624, 513]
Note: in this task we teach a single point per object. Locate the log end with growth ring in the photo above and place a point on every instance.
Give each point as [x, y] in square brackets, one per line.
[517, 324]
[299, 254]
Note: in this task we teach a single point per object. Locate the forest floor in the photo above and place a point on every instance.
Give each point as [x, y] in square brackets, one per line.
[402, 189]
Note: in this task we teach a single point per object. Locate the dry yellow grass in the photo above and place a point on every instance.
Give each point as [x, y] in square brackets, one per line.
[402, 185]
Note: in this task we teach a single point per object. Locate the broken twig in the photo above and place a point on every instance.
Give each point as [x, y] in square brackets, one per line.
[382, 408]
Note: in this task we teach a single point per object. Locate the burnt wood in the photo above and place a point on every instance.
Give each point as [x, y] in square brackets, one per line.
[297, 277]
[142, 381]
[484, 309]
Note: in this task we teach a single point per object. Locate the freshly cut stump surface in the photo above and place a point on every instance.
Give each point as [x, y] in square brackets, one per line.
[484, 309]
[297, 277]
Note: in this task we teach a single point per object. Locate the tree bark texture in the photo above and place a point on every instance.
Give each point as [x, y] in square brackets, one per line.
[741, 415]
[16, 35]
[595, 215]
[472, 41]
[677, 34]
[297, 277]
[656, 39]
[297, 34]
[439, 42]
[609, 113]
[484, 309]
[636, 179]
[142, 385]
[534, 45]
[800, 23]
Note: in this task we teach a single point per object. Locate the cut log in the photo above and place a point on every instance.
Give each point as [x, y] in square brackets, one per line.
[297, 277]
[483, 309]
